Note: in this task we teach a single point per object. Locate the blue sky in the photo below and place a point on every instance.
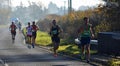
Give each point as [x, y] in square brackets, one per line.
[75, 3]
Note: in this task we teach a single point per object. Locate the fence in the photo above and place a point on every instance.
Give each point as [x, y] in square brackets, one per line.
[109, 43]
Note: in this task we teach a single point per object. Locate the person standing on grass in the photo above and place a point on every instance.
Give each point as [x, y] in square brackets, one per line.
[34, 33]
[85, 32]
[54, 32]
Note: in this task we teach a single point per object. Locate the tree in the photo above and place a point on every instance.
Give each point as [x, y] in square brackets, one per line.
[5, 11]
[34, 11]
[112, 12]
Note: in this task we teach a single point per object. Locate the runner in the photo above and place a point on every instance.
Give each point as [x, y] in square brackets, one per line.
[19, 26]
[54, 32]
[85, 33]
[34, 31]
[29, 34]
[13, 31]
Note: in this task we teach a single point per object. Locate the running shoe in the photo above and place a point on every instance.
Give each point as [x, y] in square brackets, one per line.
[33, 46]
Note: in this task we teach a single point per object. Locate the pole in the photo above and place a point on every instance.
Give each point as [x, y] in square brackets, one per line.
[69, 6]
[64, 7]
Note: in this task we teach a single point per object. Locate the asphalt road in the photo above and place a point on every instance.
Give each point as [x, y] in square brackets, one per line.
[18, 54]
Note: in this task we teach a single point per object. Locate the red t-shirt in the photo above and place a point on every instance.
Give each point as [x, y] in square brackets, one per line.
[34, 28]
[13, 28]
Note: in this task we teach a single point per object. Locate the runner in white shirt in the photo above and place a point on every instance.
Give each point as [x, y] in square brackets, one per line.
[29, 33]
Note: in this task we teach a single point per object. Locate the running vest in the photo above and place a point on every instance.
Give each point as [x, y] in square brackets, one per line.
[34, 28]
[86, 31]
[29, 30]
[13, 28]
[55, 30]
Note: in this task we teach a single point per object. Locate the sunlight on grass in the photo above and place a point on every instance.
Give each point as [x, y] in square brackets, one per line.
[61, 48]
[113, 62]
[43, 38]
[93, 51]
[75, 47]
[69, 49]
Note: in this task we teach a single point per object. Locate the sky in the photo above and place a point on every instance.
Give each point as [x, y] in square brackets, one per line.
[75, 3]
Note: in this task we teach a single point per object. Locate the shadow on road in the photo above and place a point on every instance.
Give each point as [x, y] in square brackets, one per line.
[33, 58]
[36, 58]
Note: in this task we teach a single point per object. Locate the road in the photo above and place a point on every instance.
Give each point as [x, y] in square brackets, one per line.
[18, 54]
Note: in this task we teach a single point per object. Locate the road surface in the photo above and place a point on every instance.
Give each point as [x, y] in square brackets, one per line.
[18, 54]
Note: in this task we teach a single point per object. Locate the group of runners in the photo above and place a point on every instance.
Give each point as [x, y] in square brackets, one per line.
[84, 32]
[31, 31]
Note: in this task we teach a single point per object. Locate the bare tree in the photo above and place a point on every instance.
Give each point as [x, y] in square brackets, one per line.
[5, 11]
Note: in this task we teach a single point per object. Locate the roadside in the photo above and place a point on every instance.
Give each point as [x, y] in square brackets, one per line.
[71, 50]
[18, 54]
[98, 59]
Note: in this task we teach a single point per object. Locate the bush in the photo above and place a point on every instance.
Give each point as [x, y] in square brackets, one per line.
[102, 27]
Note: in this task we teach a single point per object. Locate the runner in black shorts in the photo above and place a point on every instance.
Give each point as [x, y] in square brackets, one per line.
[86, 33]
[34, 31]
[54, 32]
[34, 34]
[13, 31]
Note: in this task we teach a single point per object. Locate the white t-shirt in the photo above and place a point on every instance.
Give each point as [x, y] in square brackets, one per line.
[29, 30]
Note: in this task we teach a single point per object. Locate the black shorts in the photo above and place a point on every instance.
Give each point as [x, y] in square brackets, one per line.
[34, 34]
[85, 40]
[55, 39]
[13, 32]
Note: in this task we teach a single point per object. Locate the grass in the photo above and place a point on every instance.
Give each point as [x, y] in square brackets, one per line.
[44, 39]
[114, 62]
[68, 49]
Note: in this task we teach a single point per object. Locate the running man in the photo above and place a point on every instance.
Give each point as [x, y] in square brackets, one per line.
[13, 30]
[29, 33]
[34, 31]
[54, 32]
[19, 26]
[85, 32]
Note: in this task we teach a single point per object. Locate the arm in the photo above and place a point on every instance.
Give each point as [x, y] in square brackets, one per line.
[60, 29]
[37, 27]
[50, 30]
[91, 30]
[15, 27]
[79, 31]
[10, 27]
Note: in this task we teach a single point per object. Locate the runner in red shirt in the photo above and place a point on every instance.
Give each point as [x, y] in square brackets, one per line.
[34, 31]
[13, 30]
